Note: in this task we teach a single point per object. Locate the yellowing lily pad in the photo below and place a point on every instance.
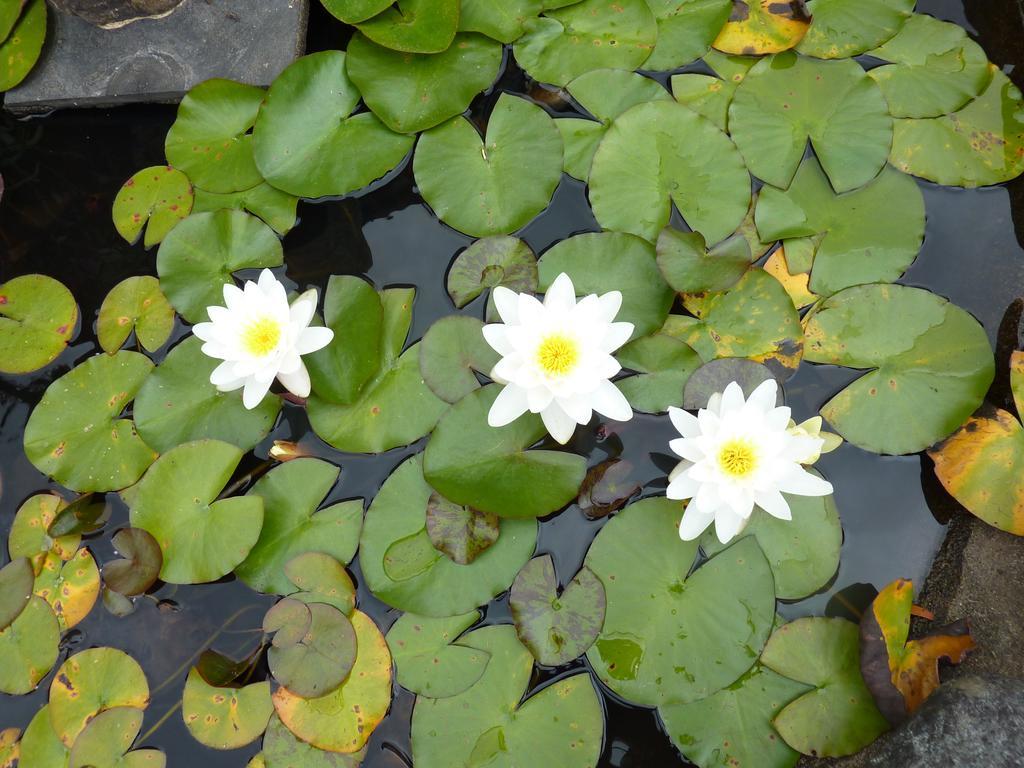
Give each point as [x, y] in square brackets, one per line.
[90, 682]
[70, 588]
[76, 433]
[281, 749]
[29, 537]
[344, 720]
[10, 747]
[136, 303]
[489, 724]
[981, 144]
[659, 154]
[670, 636]
[40, 745]
[797, 284]
[107, 738]
[210, 139]
[929, 363]
[225, 718]
[293, 524]
[504, 178]
[402, 568]
[156, 198]
[843, 28]
[38, 317]
[757, 27]
[29, 648]
[202, 539]
[430, 660]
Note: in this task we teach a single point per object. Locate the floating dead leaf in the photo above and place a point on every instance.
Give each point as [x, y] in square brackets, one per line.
[460, 532]
[763, 26]
[607, 487]
[139, 568]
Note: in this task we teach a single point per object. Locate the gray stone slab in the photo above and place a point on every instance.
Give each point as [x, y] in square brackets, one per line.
[161, 59]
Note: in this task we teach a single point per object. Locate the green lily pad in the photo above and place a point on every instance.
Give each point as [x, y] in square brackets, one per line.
[686, 30]
[29, 537]
[757, 27]
[71, 588]
[981, 144]
[733, 728]
[556, 627]
[29, 648]
[490, 262]
[9, 15]
[403, 569]
[659, 154]
[663, 365]
[91, 682]
[838, 717]
[415, 26]
[199, 255]
[489, 724]
[713, 377]
[711, 96]
[281, 749]
[293, 524]
[930, 364]
[210, 139]
[202, 539]
[459, 532]
[306, 140]
[20, 51]
[136, 303]
[594, 34]
[504, 179]
[870, 235]
[40, 745]
[688, 266]
[76, 435]
[843, 28]
[156, 198]
[276, 208]
[314, 647]
[411, 92]
[321, 578]
[16, 580]
[452, 349]
[430, 661]
[785, 100]
[502, 20]
[599, 262]
[605, 94]
[344, 720]
[803, 552]
[936, 68]
[489, 469]
[354, 11]
[107, 738]
[38, 317]
[136, 572]
[177, 404]
[670, 637]
[755, 319]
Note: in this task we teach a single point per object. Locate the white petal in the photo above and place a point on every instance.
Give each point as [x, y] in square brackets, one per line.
[616, 335]
[289, 363]
[611, 303]
[684, 421]
[558, 423]
[507, 368]
[313, 338]
[508, 406]
[497, 338]
[777, 419]
[255, 391]
[506, 301]
[694, 523]
[223, 378]
[687, 448]
[296, 382]
[561, 296]
[683, 487]
[203, 330]
[539, 398]
[577, 408]
[232, 296]
[775, 504]
[609, 401]
[303, 308]
[764, 396]
[802, 483]
[727, 525]
[732, 398]
[715, 403]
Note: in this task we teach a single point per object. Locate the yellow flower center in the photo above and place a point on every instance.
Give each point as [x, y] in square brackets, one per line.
[737, 457]
[558, 354]
[260, 336]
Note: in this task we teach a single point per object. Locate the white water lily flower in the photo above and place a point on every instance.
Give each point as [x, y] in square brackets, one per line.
[260, 337]
[557, 357]
[736, 454]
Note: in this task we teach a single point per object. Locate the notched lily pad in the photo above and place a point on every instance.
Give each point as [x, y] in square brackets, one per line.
[502, 20]
[155, 198]
[140, 565]
[276, 208]
[314, 646]
[461, 533]
[415, 26]
[136, 303]
[708, 95]
[688, 266]
[107, 740]
[757, 27]
[490, 262]
[556, 627]
[452, 349]
[38, 317]
[321, 579]
[71, 588]
[30, 536]
[29, 648]
[429, 658]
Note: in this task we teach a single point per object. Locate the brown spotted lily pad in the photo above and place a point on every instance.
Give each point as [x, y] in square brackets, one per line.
[136, 303]
[156, 198]
[429, 658]
[29, 536]
[321, 579]
[107, 739]
[71, 588]
[460, 532]
[38, 317]
[556, 628]
[225, 718]
[763, 26]
[10, 747]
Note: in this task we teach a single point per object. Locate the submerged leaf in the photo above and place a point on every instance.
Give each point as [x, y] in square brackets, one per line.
[139, 568]
[136, 303]
[713, 377]
[461, 533]
[607, 488]
[489, 262]
[156, 198]
[38, 317]
[430, 660]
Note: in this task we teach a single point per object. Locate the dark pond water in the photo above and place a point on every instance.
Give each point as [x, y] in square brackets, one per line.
[61, 174]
